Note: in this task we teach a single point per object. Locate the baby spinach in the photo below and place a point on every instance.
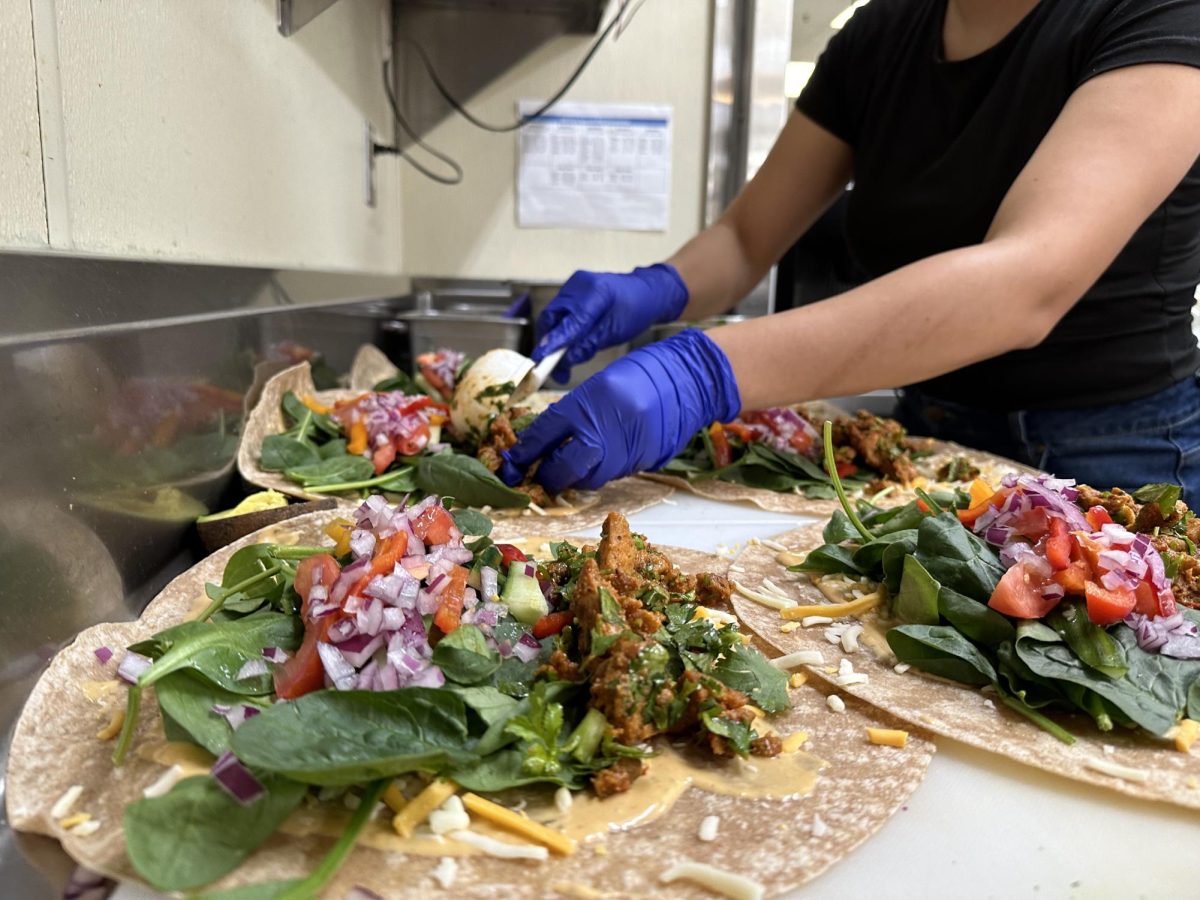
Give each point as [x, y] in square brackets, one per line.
[187, 701]
[505, 769]
[332, 470]
[402, 382]
[197, 832]
[1093, 645]
[941, 650]
[284, 451]
[830, 559]
[739, 734]
[464, 656]
[1165, 496]
[396, 481]
[489, 703]
[472, 522]
[917, 602]
[467, 480]
[332, 449]
[976, 620]
[347, 737]
[306, 417]
[839, 528]
[957, 558]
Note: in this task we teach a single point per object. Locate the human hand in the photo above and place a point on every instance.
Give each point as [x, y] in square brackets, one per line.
[595, 310]
[634, 415]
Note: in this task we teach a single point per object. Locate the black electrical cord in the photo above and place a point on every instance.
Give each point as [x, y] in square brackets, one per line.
[458, 107]
[456, 178]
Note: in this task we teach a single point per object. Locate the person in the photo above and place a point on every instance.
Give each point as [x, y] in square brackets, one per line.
[1026, 205]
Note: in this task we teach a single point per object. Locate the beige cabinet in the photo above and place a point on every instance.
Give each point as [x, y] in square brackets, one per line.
[196, 132]
[22, 197]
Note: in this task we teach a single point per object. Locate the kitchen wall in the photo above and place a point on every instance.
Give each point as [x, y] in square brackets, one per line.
[470, 230]
[195, 132]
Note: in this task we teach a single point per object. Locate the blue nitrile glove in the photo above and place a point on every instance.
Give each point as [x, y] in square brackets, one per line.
[634, 415]
[595, 310]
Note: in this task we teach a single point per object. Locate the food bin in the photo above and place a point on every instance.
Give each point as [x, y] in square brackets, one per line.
[468, 332]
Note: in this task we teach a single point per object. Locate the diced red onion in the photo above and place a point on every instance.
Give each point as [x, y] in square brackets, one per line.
[104, 654]
[236, 779]
[85, 884]
[470, 598]
[1053, 591]
[318, 593]
[321, 610]
[358, 657]
[527, 648]
[393, 618]
[1024, 554]
[530, 570]
[431, 676]
[370, 617]
[235, 715]
[387, 678]
[342, 630]
[252, 668]
[132, 666]
[362, 543]
[416, 566]
[437, 584]
[276, 655]
[504, 648]
[1172, 636]
[457, 553]
[349, 577]
[340, 672]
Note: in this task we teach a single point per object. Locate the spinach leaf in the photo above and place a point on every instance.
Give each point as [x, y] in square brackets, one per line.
[240, 574]
[467, 480]
[295, 409]
[197, 832]
[395, 481]
[1093, 645]
[464, 656]
[347, 737]
[840, 529]
[283, 451]
[506, 769]
[332, 471]
[977, 621]
[917, 602]
[957, 558]
[940, 650]
[332, 449]
[829, 559]
[1193, 700]
[402, 382]
[490, 704]
[869, 557]
[472, 522]
[187, 702]
[745, 669]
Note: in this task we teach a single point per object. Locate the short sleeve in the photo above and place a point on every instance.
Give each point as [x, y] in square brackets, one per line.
[833, 97]
[1136, 32]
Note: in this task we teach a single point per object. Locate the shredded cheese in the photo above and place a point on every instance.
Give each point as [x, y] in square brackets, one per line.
[446, 872]
[418, 809]
[716, 615]
[835, 703]
[501, 849]
[799, 658]
[850, 638]
[789, 558]
[563, 799]
[114, 726]
[836, 610]
[772, 588]
[788, 627]
[83, 829]
[708, 828]
[798, 679]
[62, 807]
[537, 509]
[510, 820]
[794, 741]
[165, 782]
[810, 621]
[901, 668]
[887, 737]
[721, 881]
[78, 819]
[394, 797]
[1186, 734]
[765, 599]
[1116, 770]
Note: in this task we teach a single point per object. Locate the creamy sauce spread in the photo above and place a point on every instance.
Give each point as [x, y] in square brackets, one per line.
[191, 759]
[99, 691]
[671, 773]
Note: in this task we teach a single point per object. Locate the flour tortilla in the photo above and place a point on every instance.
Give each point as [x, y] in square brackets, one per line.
[370, 366]
[954, 710]
[992, 468]
[587, 509]
[54, 747]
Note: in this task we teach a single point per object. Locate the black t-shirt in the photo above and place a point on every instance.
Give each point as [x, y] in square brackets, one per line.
[937, 145]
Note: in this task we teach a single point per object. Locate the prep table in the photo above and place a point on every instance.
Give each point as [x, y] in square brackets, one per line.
[979, 825]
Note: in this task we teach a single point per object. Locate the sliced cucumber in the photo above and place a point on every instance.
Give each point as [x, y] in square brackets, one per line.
[523, 595]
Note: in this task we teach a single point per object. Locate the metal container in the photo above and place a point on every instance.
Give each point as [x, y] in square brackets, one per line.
[470, 333]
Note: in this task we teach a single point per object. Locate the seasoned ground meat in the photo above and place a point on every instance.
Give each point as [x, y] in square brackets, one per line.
[713, 591]
[767, 745]
[502, 437]
[561, 667]
[1122, 507]
[957, 469]
[618, 777]
[619, 685]
[880, 443]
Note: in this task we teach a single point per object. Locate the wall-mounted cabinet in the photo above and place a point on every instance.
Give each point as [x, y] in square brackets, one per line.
[195, 132]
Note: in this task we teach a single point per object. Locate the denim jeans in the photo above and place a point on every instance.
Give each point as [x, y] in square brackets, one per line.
[1154, 439]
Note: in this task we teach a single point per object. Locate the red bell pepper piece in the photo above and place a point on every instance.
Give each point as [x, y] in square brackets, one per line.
[433, 525]
[510, 554]
[722, 455]
[1059, 544]
[1104, 606]
[552, 623]
[450, 601]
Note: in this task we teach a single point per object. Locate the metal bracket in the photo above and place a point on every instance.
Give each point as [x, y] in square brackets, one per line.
[292, 15]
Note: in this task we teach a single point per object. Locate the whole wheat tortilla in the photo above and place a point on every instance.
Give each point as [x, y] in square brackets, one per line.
[627, 495]
[370, 366]
[954, 710]
[992, 467]
[54, 746]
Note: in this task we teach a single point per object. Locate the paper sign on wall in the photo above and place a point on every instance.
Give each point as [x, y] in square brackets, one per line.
[595, 165]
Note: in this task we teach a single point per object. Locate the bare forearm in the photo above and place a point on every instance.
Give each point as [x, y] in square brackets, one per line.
[926, 319]
[717, 271]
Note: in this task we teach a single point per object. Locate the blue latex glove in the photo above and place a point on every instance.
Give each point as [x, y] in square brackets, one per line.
[635, 415]
[595, 310]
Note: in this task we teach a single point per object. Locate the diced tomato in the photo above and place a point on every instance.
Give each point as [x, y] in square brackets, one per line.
[510, 554]
[968, 516]
[1032, 523]
[722, 455]
[388, 552]
[1019, 595]
[414, 443]
[1089, 551]
[425, 363]
[1098, 516]
[844, 469]
[303, 673]
[1074, 577]
[450, 601]
[1059, 543]
[433, 525]
[1150, 602]
[383, 457]
[802, 442]
[552, 623]
[1104, 606]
